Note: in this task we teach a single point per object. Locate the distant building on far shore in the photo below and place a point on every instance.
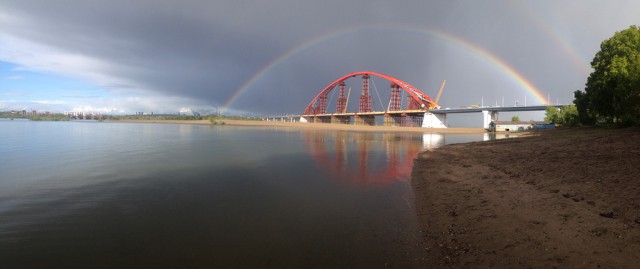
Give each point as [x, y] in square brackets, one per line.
[519, 126]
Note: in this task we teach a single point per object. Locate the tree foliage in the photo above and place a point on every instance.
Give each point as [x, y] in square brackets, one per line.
[552, 114]
[157, 117]
[515, 118]
[39, 117]
[566, 116]
[216, 120]
[612, 92]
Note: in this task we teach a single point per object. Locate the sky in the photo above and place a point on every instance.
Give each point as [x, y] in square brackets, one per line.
[273, 57]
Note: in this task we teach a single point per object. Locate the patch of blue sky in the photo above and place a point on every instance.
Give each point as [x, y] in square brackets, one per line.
[21, 84]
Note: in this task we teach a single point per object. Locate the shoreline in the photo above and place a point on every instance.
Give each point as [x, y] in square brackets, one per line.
[319, 126]
[565, 198]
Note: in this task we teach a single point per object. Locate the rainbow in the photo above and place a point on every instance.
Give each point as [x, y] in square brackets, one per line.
[283, 57]
[458, 41]
[557, 38]
[496, 61]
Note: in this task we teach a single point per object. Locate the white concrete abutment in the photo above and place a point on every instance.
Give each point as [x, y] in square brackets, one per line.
[432, 120]
[488, 117]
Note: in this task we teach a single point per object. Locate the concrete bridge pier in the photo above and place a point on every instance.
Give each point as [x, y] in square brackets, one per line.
[364, 120]
[340, 119]
[488, 117]
[432, 120]
[393, 120]
[322, 119]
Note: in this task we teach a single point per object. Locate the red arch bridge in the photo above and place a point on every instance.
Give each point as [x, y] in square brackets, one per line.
[403, 105]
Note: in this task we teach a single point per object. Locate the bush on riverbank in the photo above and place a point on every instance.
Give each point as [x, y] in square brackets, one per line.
[216, 120]
[566, 116]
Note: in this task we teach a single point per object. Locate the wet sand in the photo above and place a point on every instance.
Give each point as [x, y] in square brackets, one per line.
[555, 199]
[323, 126]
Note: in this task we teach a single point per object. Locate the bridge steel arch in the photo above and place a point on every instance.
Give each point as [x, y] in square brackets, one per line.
[424, 101]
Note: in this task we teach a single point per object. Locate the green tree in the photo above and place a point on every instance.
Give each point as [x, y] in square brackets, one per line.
[612, 92]
[515, 118]
[566, 116]
[569, 116]
[552, 114]
[585, 114]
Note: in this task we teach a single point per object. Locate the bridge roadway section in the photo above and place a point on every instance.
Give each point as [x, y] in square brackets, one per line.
[435, 118]
[438, 117]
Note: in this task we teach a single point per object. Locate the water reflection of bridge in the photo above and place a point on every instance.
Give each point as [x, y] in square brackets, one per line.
[366, 158]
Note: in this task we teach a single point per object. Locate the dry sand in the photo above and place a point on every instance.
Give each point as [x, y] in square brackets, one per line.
[324, 126]
[557, 199]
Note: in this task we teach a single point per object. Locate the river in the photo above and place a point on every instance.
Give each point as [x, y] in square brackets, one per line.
[131, 195]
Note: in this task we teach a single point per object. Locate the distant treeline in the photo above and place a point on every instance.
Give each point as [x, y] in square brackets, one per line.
[39, 117]
[63, 117]
[157, 117]
[177, 117]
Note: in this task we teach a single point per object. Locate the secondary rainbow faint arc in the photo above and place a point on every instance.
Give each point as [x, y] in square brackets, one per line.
[553, 33]
[476, 50]
[496, 61]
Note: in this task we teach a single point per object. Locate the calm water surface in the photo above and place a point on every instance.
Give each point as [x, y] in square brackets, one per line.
[113, 195]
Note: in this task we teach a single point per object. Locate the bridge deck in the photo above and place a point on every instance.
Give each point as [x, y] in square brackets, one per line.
[438, 111]
[373, 113]
[495, 108]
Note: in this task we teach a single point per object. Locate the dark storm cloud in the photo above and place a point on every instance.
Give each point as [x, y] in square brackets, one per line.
[206, 50]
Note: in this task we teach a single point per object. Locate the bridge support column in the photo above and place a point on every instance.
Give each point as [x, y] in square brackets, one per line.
[364, 120]
[432, 120]
[488, 117]
[392, 120]
[322, 119]
[412, 120]
[340, 119]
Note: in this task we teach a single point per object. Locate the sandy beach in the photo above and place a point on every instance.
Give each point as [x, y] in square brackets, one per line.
[324, 126]
[556, 199]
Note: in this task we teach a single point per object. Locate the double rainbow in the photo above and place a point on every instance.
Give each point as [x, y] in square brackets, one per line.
[476, 50]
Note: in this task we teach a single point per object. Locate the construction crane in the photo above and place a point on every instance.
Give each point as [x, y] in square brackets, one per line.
[439, 93]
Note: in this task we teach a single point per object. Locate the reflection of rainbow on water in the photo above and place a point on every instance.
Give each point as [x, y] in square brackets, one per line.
[350, 157]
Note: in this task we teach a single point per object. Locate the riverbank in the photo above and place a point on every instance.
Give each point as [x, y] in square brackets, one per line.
[322, 126]
[558, 198]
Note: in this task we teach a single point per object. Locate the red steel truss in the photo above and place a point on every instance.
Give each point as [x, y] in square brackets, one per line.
[417, 100]
[341, 104]
[395, 102]
[365, 98]
[322, 105]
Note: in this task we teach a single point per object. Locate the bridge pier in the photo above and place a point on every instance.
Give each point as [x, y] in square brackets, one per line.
[322, 119]
[393, 120]
[364, 120]
[413, 120]
[432, 120]
[488, 117]
[340, 119]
